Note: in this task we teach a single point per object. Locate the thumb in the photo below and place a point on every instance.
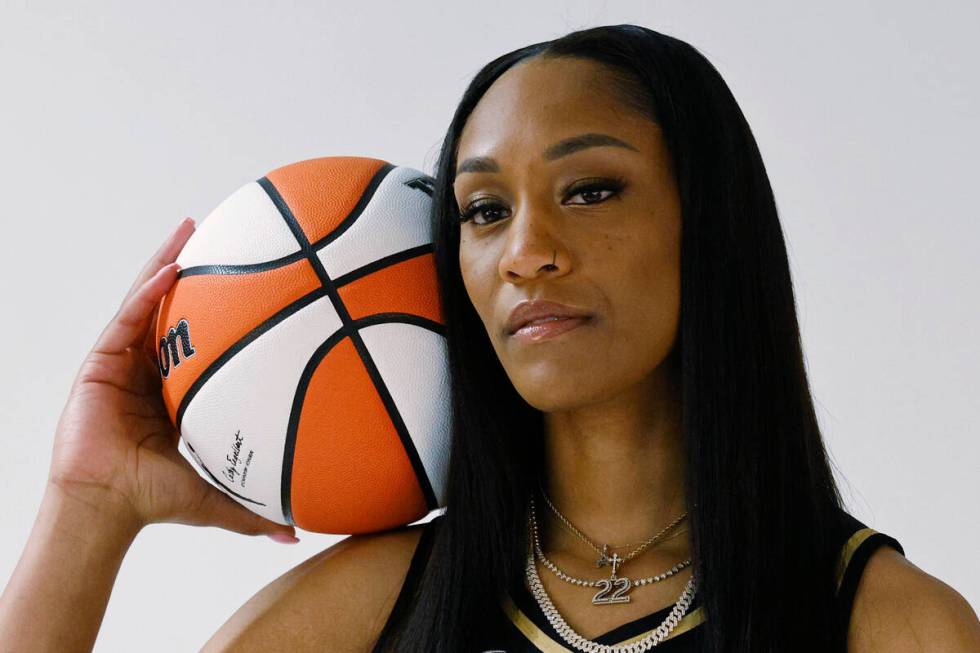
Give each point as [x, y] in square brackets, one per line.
[218, 509]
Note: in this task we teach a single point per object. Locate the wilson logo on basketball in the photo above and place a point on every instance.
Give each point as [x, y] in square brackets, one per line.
[170, 356]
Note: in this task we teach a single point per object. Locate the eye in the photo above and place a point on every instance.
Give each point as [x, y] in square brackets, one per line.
[589, 187]
[478, 208]
[586, 188]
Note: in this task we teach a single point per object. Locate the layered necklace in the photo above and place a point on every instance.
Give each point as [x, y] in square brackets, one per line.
[612, 591]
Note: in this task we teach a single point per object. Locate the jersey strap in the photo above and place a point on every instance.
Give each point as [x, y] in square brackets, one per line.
[851, 560]
[406, 595]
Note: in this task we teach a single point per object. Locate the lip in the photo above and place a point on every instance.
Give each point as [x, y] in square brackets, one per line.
[536, 309]
[546, 330]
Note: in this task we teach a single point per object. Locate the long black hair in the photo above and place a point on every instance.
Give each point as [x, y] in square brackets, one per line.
[760, 493]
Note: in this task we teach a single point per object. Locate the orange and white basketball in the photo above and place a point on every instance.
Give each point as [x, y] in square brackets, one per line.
[302, 347]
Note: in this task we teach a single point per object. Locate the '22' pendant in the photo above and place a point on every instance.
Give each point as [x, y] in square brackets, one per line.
[612, 590]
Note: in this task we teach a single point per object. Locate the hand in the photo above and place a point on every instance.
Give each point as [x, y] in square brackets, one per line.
[115, 447]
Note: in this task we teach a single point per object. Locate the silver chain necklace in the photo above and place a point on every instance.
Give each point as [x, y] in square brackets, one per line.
[659, 634]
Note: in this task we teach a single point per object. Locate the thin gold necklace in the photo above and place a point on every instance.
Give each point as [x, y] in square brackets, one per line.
[604, 558]
[612, 590]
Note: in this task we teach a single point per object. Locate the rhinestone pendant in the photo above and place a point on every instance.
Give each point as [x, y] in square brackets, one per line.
[612, 590]
[604, 558]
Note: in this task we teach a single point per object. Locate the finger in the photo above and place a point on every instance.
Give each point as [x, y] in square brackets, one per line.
[145, 376]
[165, 255]
[128, 327]
[150, 344]
[221, 510]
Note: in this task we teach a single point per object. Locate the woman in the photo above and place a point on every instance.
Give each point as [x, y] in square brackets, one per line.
[625, 183]
[655, 424]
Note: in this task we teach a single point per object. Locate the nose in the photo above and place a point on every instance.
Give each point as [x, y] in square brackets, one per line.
[532, 248]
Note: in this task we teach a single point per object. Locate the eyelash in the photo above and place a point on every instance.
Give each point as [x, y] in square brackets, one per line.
[615, 184]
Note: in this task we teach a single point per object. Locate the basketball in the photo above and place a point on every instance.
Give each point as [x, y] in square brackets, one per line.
[302, 347]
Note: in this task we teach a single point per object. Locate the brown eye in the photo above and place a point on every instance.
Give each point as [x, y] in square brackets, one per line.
[479, 208]
[590, 188]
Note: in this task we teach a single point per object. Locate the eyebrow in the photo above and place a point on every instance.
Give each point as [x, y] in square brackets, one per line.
[561, 148]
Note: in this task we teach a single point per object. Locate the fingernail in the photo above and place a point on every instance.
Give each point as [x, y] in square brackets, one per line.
[180, 225]
[282, 538]
[176, 230]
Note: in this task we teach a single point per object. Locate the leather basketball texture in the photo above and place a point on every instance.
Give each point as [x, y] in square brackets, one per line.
[302, 348]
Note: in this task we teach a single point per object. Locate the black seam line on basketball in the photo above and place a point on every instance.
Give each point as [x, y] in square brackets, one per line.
[396, 418]
[342, 312]
[215, 478]
[245, 268]
[321, 352]
[400, 318]
[374, 266]
[289, 446]
[418, 183]
[366, 196]
[421, 183]
[353, 275]
[287, 213]
[241, 343]
[425, 183]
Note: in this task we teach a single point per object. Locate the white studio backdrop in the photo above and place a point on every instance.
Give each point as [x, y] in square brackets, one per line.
[117, 119]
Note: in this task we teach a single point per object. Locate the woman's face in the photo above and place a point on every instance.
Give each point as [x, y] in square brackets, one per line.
[616, 251]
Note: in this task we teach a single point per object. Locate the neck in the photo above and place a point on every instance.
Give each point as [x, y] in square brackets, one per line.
[615, 469]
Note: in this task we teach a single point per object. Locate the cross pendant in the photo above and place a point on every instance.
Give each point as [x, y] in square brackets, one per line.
[615, 589]
[606, 559]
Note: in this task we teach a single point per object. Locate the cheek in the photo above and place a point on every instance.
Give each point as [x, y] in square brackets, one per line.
[644, 287]
[477, 281]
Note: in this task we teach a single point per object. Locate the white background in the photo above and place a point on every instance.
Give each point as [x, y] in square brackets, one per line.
[117, 119]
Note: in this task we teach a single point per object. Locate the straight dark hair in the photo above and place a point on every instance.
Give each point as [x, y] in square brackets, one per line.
[759, 489]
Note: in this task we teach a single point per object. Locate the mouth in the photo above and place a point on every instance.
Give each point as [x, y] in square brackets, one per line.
[540, 310]
[549, 327]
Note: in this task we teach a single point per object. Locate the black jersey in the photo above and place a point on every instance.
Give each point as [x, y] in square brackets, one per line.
[519, 625]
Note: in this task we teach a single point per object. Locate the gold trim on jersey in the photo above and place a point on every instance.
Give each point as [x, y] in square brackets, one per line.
[847, 551]
[543, 642]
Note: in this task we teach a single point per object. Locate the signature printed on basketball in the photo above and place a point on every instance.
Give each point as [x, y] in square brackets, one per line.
[231, 471]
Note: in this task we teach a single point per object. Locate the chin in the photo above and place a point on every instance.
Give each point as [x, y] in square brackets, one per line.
[555, 393]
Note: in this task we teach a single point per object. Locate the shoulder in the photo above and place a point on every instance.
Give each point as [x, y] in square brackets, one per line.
[338, 599]
[899, 608]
